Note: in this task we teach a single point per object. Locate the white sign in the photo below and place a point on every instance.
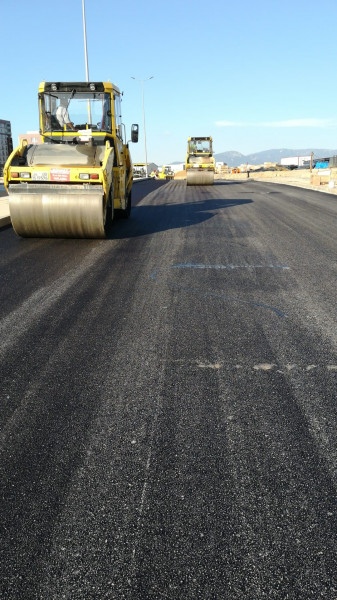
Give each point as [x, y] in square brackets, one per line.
[40, 175]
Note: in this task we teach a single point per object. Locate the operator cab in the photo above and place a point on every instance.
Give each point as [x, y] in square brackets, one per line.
[200, 146]
[81, 112]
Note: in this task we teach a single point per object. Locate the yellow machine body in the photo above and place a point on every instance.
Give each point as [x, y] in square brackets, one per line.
[166, 173]
[73, 183]
[200, 163]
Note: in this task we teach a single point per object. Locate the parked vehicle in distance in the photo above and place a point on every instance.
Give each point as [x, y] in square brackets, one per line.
[138, 170]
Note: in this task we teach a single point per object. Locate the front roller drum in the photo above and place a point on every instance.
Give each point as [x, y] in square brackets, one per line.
[58, 210]
[199, 177]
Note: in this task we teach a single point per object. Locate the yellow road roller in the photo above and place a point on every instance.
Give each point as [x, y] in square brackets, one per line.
[166, 173]
[80, 177]
[200, 163]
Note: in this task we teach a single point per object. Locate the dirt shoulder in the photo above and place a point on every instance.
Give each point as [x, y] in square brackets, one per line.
[323, 180]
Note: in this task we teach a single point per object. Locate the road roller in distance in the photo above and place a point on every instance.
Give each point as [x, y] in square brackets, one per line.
[166, 173]
[200, 163]
[80, 177]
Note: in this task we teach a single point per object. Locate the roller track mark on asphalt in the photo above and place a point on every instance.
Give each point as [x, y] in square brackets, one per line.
[136, 542]
[155, 277]
[227, 267]
[20, 320]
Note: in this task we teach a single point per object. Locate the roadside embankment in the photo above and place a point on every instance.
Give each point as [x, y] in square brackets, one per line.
[322, 180]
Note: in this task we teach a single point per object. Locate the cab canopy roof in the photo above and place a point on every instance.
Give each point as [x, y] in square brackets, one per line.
[79, 86]
[199, 138]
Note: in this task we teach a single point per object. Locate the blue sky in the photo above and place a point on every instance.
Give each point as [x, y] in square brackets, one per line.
[255, 75]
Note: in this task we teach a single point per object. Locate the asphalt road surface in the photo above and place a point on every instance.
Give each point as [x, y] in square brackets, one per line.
[168, 401]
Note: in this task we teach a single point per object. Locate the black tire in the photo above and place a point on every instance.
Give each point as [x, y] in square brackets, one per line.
[126, 212]
[108, 216]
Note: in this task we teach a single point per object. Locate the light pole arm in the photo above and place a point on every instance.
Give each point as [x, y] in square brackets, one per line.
[144, 130]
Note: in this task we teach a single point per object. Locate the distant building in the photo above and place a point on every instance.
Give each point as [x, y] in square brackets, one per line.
[6, 143]
[32, 137]
[294, 161]
[151, 167]
[176, 166]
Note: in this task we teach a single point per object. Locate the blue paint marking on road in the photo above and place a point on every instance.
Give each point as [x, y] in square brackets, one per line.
[155, 277]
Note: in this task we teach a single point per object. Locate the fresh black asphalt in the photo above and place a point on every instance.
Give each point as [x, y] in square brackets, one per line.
[168, 401]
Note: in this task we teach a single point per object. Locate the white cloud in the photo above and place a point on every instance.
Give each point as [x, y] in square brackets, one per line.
[301, 123]
[278, 124]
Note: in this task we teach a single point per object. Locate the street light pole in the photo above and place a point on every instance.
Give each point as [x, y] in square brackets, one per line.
[85, 43]
[142, 85]
[86, 57]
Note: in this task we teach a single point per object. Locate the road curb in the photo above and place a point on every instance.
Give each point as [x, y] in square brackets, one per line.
[5, 221]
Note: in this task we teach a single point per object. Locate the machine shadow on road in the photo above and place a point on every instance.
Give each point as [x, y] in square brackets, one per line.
[232, 182]
[149, 219]
[143, 188]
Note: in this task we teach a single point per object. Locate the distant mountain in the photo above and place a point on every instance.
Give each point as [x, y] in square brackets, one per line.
[233, 159]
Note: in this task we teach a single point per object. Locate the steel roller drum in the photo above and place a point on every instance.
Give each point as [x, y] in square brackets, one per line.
[57, 210]
[202, 177]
